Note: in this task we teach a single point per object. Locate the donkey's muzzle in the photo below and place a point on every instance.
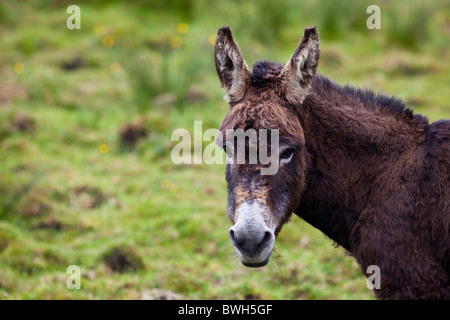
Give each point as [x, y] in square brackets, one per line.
[251, 237]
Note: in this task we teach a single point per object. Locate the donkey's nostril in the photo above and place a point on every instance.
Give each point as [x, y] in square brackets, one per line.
[267, 238]
[233, 238]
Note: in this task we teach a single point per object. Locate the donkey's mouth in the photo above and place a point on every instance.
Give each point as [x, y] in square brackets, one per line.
[258, 259]
[255, 265]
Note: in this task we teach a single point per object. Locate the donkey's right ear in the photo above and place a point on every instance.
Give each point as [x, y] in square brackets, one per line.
[231, 67]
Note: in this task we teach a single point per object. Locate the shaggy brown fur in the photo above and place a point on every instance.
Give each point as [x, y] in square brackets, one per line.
[366, 171]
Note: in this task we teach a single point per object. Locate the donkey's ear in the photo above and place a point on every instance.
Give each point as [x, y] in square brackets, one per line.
[299, 72]
[231, 67]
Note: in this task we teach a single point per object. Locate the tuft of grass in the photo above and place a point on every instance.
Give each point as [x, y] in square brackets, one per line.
[163, 76]
[13, 193]
[335, 19]
[263, 20]
[408, 23]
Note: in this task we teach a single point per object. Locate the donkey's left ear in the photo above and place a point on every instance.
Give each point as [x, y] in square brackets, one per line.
[231, 67]
[300, 70]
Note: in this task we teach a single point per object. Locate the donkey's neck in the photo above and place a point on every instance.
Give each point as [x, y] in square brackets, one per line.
[349, 133]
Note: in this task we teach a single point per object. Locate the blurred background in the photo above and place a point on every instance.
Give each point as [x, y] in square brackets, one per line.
[86, 118]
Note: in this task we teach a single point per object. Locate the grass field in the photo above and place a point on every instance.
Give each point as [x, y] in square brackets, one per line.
[86, 118]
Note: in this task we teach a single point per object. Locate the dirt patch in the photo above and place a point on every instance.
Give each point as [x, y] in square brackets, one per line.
[23, 123]
[74, 64]
[51, 224]
[159, 294]
[122, 259]
[17, 122]
[35, 208]
[87, 198]
[131, 133]
[252, 296]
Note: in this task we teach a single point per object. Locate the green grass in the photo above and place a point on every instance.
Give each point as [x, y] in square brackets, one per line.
[70, 193]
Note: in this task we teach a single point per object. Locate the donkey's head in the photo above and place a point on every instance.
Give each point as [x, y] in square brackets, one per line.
[269, 98]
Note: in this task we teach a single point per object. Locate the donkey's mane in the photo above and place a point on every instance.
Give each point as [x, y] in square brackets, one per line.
[264, 72]
[323, 86]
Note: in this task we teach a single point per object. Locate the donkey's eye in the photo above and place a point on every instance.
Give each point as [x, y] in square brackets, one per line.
[287, 153]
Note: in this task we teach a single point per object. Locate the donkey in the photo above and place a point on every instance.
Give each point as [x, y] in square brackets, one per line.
[359, 166]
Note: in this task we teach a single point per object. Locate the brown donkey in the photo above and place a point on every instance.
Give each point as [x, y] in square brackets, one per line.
[359, 166]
